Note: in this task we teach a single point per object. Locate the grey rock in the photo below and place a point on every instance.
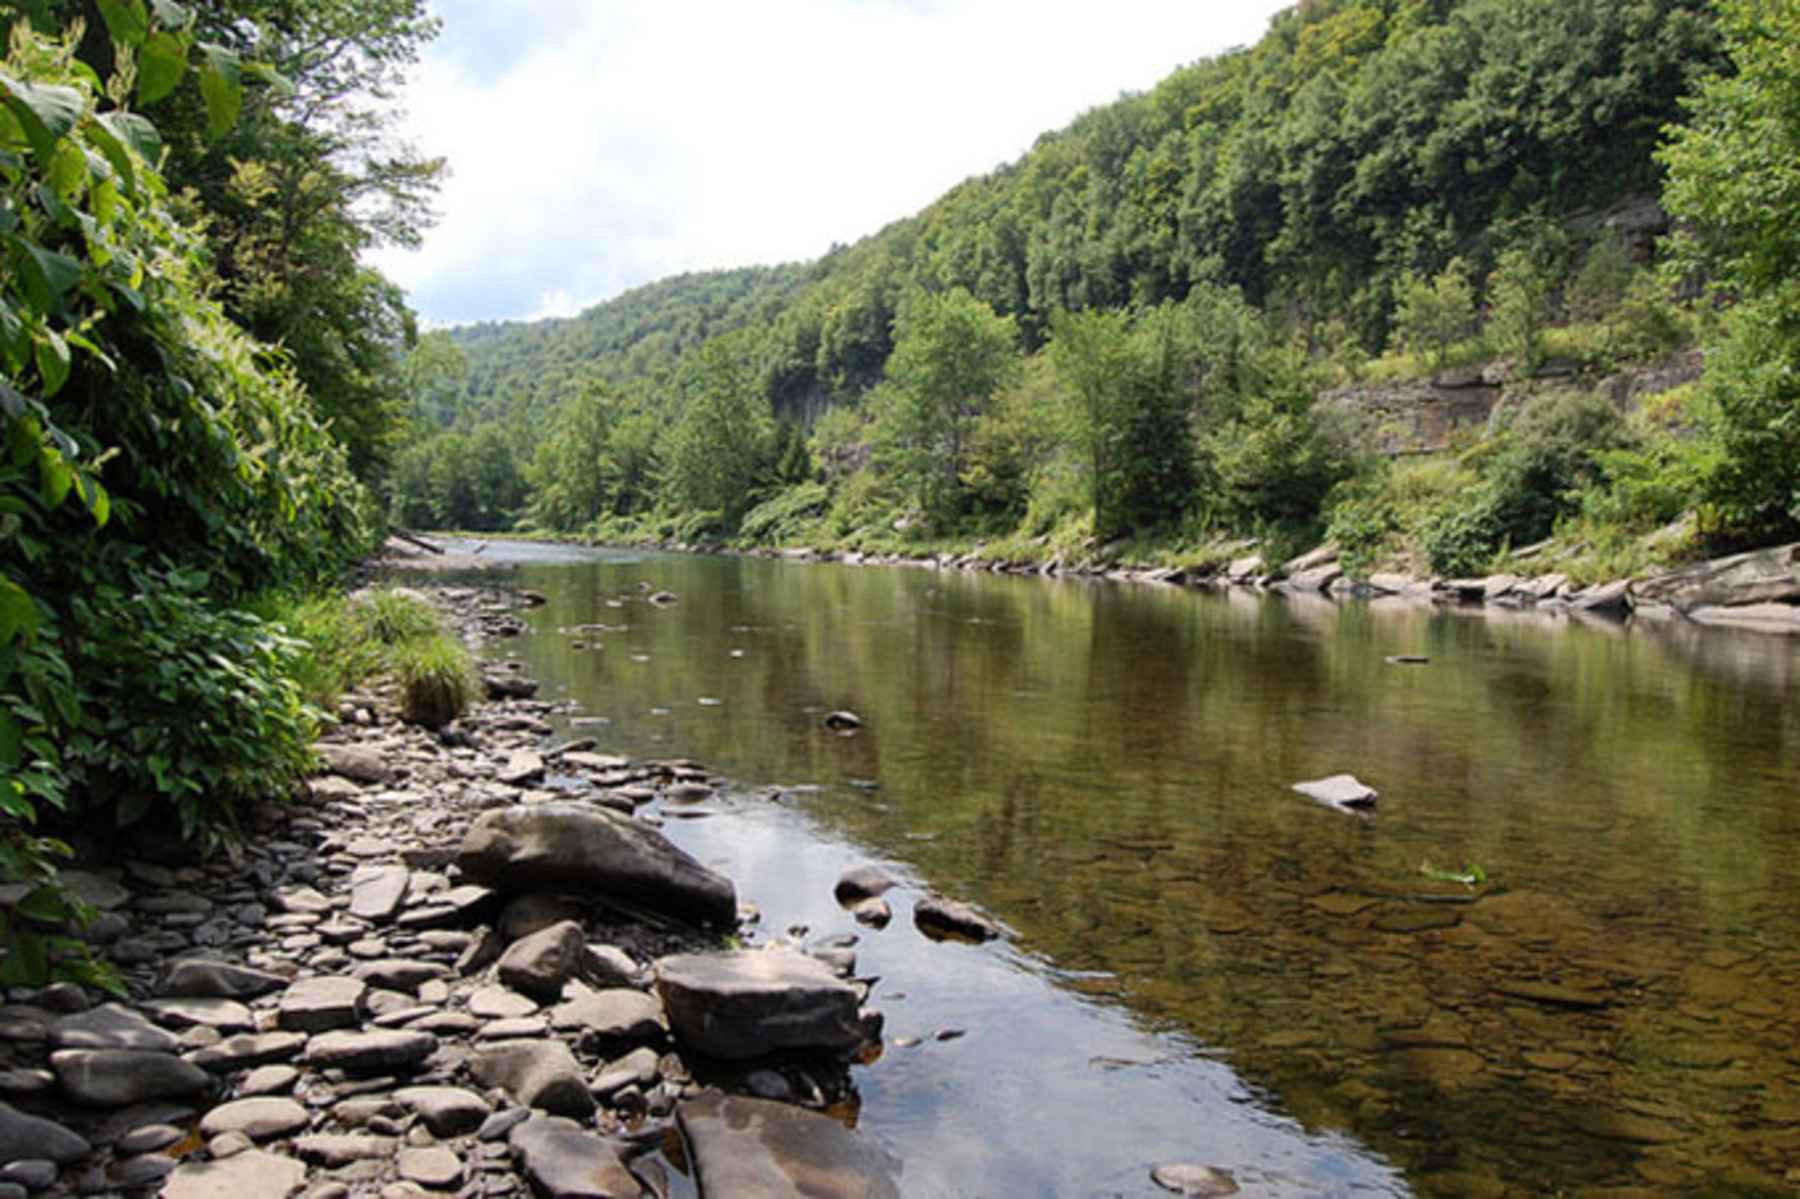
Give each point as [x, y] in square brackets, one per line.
[522, 769]
[1758, 577]
[32, 1173]
[259, 1119]
[501, 1123]
[378, 895]
[226, 1015]
[356, 763]
[446, 1111]
[619, 1014]
[94, 889]
[498, 1003]
[303, 901]
[942, 918]
[400, 974]
[580, 848]
[872, 913]
[335, 1149]
[1343, 791]
[863, 882]
[247, 1050]
[539, 965]
[758, 1149]
[609, 966]
[527, 914]
[253, 1172]
[110, 1026]
[23, 1135]
[749, 1003]
[370, 1052]
[565, 1161]
[1191, 1180]
[540, 1074]
[842, 721]
[430, 1166]
[268, 1080]
[144, 1170]
[121, 1077]
[322, 1004]
[147, 1138]
[203, 978]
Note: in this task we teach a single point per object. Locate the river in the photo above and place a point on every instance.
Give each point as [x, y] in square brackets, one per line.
[1202, 965]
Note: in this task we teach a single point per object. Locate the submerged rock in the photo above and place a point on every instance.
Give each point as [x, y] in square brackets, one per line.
[940, 918]
[759, 1149]
[1203, 1182]
[583, 849]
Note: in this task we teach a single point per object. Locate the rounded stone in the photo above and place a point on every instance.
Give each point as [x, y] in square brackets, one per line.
[1200, 1182]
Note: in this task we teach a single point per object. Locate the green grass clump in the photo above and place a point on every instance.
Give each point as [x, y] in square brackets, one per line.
[437, 679]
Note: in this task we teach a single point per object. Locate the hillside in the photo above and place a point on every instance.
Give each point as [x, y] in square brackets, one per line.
[1124, 332]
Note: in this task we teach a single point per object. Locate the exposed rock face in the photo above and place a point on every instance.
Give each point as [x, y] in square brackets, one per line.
[754, 1002]
[757, 1149]
[563, 846]
[1759, 577]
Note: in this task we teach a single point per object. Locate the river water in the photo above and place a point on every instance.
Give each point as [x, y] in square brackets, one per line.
[1202, 965]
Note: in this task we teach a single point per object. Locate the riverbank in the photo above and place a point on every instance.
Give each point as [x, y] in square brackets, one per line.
[464, 961]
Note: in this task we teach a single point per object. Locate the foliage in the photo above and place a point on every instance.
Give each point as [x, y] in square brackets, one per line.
[436, 676]
[1519, 293]
[1734, 177]
[723, 444]
[1433, 315]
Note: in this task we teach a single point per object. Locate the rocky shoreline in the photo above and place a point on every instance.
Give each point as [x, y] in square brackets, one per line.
[466, 963]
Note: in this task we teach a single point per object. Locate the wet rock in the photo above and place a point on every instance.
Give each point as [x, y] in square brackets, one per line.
[939, 918]
[752, 1148]
[862, 882]
[539, 965]
[378, 895]
[1192, 1180]
[370, 1052]
[205, 978]
[872, 913]
[121, 1077]
[749, 1003]
[560, 846]
[1610, 599]
[842, 721]
[254, 1172]
[23, 1135]
[565, 1161]
[259, 1119]
[446, 1111]
[110, 1026]
[322, 1004]
[540, 1074]
[1342, 791]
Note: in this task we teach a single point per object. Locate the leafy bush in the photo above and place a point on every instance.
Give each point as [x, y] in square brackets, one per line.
[787, 515]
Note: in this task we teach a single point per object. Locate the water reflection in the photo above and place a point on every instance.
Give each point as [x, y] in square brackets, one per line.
[1106, 769]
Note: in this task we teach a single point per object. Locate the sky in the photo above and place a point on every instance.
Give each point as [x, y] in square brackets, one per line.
[597, 145]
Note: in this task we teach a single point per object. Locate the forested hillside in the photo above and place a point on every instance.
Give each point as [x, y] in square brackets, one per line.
[1125, 331]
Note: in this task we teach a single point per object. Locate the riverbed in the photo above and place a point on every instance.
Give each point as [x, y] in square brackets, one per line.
[1202, 965]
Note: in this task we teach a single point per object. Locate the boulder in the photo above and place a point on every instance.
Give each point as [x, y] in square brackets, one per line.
[254, 1172]
[376, 894]
[370, 1052]
[25, 1136]
[357, 763]
[564, 1160]
[1758, 577]
[539, 965]
[446, 1111]
[122, 1077]
[204, 978]
[620, 1014]
[259, 1119]
[941, 918]
[1611, 598]
[759, 1149]
[111, 1026]
[748, 1003]
[589, 850]
[536, 1073]
[322, 1004]
[862, 882]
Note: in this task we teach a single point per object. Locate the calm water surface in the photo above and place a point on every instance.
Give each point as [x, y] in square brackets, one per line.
[1205, 966]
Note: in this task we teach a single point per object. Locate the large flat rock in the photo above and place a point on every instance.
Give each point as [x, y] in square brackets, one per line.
[566, 1161]
[749, 1003]
[756, 1149]
[588, 850]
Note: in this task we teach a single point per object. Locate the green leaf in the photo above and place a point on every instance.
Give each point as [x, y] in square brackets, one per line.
[171, 15]
[114, 148]
[52, 361]
[47, 275]
[47, 904]
[222, 87]
[46, 112]
[27, 960]
[12, 741]
[136, 132]
[126, 20]
[18, 614]
[55, 478]
[161, 65]
[68, 169]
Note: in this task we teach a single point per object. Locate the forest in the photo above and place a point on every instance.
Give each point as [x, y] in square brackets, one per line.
[1115, 345]
[1119, 341]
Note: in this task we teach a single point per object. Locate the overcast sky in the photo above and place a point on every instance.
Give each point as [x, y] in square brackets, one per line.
[596, 145]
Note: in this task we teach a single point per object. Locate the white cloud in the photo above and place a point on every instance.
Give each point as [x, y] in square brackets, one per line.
[623, 142]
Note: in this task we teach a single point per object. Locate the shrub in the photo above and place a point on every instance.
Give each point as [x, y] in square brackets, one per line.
[437, 679]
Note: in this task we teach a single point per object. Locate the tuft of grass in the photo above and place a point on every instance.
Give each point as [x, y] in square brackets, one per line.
[437, 679]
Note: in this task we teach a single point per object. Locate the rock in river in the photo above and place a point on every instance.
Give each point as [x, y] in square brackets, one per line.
[939, 918]
[1343, 791]
[758, 1149]
[583, 849]
[749, 1003]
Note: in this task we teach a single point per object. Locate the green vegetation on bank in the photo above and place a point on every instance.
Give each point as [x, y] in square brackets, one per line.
[1117, 345]
[165, 171]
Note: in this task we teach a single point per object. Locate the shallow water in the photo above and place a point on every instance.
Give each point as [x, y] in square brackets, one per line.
[1205, 966]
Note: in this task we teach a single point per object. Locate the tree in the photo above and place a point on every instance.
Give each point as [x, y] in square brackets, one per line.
[950, 354]
[1519, 291]
[1734, 177]
[720, 446]
[1433, 316]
